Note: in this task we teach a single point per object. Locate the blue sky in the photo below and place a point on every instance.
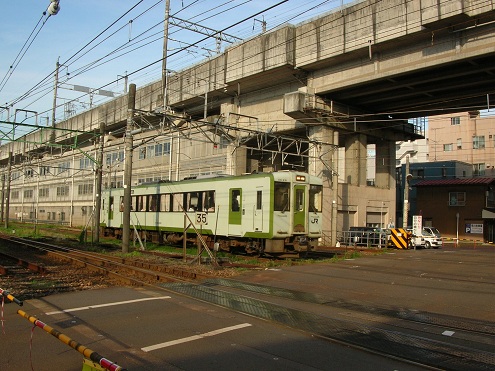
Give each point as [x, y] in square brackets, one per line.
[79, 22]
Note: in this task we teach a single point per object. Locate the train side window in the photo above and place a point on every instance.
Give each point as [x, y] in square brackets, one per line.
[281, 196]
[154, 202]
[121, 207]
[164, 202]
[193, 201]
[315, 198]
[177, 201]
[259, 200]
[140, 203]
[209, 201]
[235, 196]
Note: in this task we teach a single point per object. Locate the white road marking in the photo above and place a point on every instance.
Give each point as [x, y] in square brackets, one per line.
[195, 337]
[448, 333]
[105, 305]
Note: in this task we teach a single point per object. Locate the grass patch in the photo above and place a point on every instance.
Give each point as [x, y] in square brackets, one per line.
[42, 285]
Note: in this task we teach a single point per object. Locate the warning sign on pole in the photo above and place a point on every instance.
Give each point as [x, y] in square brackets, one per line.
[417, 225]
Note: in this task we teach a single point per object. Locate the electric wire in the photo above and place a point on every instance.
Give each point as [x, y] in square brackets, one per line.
[23, 50]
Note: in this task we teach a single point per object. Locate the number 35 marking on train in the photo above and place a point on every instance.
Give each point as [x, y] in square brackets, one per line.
[202, 218]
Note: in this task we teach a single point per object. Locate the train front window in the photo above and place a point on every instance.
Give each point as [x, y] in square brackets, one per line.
[315, 198]
[281, 196]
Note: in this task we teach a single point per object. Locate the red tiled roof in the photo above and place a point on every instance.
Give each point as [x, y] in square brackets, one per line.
[449, 182]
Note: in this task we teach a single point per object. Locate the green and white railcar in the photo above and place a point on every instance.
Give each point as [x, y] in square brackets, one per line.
[272, 213]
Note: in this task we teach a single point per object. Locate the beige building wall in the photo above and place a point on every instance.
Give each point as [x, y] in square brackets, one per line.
[466, 137]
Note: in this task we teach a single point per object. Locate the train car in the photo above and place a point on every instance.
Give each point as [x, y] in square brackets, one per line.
[274, 213]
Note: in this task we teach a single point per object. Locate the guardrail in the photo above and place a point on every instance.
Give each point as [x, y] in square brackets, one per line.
[364, 238]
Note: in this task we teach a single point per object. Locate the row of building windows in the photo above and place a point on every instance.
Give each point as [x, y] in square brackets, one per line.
[478, 143]
[83, 189]
[154, 150]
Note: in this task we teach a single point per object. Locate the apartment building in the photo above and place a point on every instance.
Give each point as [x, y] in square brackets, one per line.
[467, 137]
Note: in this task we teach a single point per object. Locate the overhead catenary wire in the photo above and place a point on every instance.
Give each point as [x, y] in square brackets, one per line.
[27, 44]
[49, 76]
[160, 60]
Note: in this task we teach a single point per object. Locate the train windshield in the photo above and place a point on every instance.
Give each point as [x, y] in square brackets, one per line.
[315, 198]
[281, 196]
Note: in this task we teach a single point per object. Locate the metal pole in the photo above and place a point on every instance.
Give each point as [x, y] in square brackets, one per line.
[7, 193]
[126, 220]
[37, 198]
[3, 195]
[164, 61]
[54, 108]
[72, 189]
[335, 189]
[177, 158]
[457, 230]
[99, 181]
[406, 196]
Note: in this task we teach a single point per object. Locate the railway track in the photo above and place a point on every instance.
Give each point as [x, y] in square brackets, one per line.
[411, 336]
[126, 271]
[10, 265]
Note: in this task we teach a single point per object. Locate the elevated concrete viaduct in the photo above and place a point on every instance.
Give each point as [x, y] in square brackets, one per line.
[313, 97]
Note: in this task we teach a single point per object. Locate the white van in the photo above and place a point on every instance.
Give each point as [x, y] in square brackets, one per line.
[432, 237]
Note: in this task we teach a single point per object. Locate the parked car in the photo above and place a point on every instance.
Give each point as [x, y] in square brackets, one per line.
[432, 237]
[429, 237]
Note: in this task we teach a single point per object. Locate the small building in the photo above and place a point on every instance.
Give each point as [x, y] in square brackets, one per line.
[459, 207]
[421, 171]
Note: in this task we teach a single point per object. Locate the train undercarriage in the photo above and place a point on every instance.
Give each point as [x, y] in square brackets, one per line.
[294, 246]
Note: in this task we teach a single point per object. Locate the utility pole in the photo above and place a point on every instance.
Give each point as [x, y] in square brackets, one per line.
[7, 193]
[335, 192]
[126, 220]
[99, 179]
[164, 61]
[55, 88]
[3, 195]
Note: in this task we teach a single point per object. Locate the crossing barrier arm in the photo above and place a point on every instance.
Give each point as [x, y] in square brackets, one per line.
[88, 353]
[11, 298]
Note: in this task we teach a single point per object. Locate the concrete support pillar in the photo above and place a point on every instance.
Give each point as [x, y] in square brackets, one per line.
[355, 159]
[385, 164]
[323, 163]
[236, 159]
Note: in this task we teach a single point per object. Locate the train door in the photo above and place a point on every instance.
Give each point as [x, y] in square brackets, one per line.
[299, 214]
[235, 211]
[258, 212]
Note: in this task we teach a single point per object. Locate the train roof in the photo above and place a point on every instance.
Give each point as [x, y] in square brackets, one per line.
[223, 176]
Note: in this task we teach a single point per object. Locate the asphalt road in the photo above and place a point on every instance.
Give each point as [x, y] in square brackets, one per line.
[155, 329]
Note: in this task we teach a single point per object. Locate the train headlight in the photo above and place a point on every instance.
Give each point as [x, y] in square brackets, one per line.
[300, 178]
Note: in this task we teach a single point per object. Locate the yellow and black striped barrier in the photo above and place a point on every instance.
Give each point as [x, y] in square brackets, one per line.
[88, 353]
[400, 238]
[10, 297]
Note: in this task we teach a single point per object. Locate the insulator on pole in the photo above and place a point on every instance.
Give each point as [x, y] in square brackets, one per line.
[54, 7]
